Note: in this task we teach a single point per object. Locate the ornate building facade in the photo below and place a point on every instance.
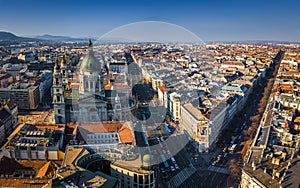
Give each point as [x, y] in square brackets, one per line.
[100, 95]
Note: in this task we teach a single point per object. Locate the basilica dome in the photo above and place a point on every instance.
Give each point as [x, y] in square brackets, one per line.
[90, 63]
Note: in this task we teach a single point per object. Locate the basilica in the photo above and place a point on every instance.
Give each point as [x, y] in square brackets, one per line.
[92, 92]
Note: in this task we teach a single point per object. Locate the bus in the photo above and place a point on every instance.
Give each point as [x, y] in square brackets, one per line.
[167, 129]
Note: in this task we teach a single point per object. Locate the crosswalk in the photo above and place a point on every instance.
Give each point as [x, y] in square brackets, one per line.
[183, 175]
[219, 169]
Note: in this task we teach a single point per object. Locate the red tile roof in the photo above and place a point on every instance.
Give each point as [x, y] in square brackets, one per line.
[122, 128]
[74, 85]
[163, 88]
[126, 135]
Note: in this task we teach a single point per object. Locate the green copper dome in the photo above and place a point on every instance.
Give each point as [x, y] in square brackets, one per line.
[90, 62]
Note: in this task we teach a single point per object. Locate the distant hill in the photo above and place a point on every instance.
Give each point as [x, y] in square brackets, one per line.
[10, 36]
[7, 36]
[59, 38]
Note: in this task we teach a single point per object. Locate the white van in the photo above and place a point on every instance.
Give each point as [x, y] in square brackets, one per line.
[173, 160]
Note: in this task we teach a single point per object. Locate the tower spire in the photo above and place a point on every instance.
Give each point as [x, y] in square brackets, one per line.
[56, 66]
[63, 60]
[90, 43]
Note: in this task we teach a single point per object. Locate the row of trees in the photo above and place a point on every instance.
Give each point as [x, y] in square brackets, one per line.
[260, 94]
[267, 84]
[255, 120]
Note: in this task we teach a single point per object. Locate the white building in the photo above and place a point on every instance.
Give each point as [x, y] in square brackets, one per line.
[133, 175]
[174, 106]
[195, 125]
[163, 96]
[107, 133]
[205, 129]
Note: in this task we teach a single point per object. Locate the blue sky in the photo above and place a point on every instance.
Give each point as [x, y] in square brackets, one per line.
[211, 20]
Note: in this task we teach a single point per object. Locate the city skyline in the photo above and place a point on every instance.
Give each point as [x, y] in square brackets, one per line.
[211, 21]
[149, 94]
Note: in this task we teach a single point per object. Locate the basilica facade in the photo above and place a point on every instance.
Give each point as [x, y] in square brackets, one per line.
[94, 94]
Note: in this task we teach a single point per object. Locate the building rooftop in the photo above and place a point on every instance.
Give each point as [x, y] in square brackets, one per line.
[122, 128]
[85, 178]
[132, 165]
[41, 168]
[72, 154]
[263, 178]
[195, 112]
[23, 182]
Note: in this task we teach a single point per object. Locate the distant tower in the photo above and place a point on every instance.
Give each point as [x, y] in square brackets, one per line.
[90, 73]
[117, 107]
[64, 73]
[58, 94]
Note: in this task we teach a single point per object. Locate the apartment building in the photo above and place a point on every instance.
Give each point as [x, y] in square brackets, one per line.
[27, 97]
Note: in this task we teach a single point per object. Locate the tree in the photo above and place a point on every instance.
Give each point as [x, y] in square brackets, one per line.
[251, 131]
[256, 118]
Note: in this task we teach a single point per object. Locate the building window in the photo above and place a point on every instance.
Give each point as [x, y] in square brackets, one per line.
[146, 179]
[141, 179]
[135, 178]
[151, 177]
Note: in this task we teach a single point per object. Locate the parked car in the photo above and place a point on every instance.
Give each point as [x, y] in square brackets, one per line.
[225, 154]
[224, 149]
[173, 160]
[172, 168]
[168, 151]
